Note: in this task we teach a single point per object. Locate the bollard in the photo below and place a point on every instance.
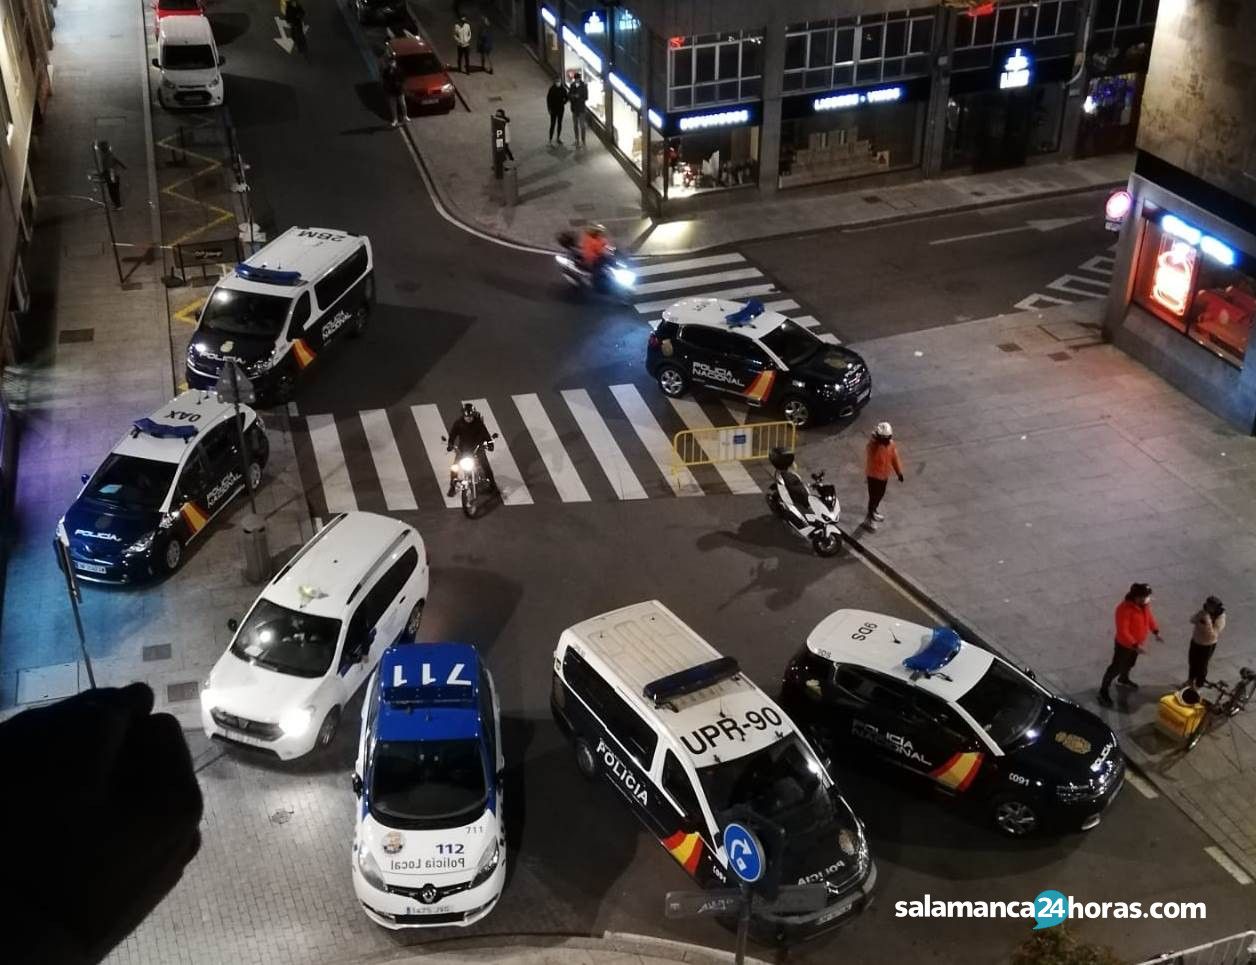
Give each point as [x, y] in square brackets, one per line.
[510, 186]
[256, 549]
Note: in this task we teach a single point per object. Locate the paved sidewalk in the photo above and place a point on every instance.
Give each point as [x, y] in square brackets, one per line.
[528, 950]
[1045, 473]
[561, 187]
[112, 356]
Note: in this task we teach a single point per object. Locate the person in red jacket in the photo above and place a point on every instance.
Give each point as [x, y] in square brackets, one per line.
[1134, 620]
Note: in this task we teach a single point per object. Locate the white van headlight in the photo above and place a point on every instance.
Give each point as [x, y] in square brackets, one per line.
[370, 868]
[296, 721]
[488, 864]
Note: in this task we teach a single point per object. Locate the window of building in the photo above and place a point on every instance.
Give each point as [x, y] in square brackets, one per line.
[1198, 285]
[1049, 26]
[714, 69]
[830, 54]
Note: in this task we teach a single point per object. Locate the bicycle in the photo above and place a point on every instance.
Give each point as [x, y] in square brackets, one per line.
[1229, 702]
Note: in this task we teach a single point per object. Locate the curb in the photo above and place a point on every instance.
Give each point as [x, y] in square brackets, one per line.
[609, 944]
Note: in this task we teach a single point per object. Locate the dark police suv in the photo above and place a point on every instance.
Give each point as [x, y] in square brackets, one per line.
[158, 489]
[961, 718]
[761, 356]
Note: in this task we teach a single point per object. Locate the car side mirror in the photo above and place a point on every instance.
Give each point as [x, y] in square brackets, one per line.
[83, 477]
[357, 786]
[156, 63]
[1030, 674]
[233, 624]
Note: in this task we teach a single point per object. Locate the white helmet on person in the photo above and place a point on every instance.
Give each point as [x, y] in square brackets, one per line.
[883, 430]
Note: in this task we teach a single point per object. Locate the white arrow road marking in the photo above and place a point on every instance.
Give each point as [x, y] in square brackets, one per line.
[1074, 285]
[1036, 300]
[284, 39]
[1040, 224]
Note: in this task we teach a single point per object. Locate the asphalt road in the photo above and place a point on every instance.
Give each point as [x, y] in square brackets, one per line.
[461, 318]
[901, 277]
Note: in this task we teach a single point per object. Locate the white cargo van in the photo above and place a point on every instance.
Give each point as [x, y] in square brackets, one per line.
[188, 59]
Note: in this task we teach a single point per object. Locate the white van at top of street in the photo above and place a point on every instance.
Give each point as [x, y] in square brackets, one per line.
[188, 59]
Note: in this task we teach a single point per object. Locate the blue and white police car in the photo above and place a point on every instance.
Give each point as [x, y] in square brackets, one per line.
[429, 848]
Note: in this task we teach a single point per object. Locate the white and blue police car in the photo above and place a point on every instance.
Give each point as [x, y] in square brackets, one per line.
[429, 848]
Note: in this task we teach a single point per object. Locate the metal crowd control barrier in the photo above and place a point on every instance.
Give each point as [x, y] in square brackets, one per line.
[1237, 949]
[723, 444]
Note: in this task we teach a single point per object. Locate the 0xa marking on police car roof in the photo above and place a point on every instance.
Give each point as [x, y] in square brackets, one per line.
[626, 779]
[728, 728]
[181, 416]
[890, 742]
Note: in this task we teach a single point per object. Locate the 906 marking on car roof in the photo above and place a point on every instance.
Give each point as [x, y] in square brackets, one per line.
[728, 728]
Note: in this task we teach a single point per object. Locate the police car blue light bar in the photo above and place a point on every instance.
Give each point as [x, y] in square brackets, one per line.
[746, 314]
[267, 276]
[691, 680]
[160, 430]
[940, 650]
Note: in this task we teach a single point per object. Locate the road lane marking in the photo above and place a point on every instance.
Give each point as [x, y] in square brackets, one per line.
[784, 305]
[807, 321]
[330, 460]
[654, 439]
[748, 291]
[1068, 283]
[389, 468]
[830, 338]
[505, 470]
[1100, 265]
[1141, 785]
[1031, 302]
[605, 449]
[697, 281]
[431, 428]
[564, 475]
[689, 264]
[1228, 863]
[734, 474]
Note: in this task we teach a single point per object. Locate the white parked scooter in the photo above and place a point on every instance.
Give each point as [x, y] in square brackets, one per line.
[810, 511]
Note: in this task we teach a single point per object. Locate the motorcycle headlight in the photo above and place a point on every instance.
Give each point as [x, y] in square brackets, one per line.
[623, 277]
[466, 464]
[141, 545]
[488, 864]
[296, 721]
[370, 868]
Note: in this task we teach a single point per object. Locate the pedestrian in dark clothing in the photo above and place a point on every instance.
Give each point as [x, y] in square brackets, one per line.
[462, 38]
[578, 97]
[880, 459]
[394, 90]
[556, 103]
[107, 164]
[484, 45]
[294, 14]
[1134, 620]
[1209, 623]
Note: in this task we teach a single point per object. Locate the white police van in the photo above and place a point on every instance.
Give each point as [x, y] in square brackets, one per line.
[690, 743]
[429, 848]
[281, 308]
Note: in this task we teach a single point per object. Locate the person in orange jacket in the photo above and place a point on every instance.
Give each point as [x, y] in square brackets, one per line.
[1134, 620]
[593, 246]
[880, 460]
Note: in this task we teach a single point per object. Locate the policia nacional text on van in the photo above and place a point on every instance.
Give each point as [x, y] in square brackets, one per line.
[689, 742]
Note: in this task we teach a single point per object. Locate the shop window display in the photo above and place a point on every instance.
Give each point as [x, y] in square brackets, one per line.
[708, 161]
[851, 143]
[1190, 286]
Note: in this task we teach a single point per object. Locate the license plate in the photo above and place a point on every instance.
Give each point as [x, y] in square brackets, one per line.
[836, 912]
[90, 567]
[427, 909]
[246, 738]
[430, 100]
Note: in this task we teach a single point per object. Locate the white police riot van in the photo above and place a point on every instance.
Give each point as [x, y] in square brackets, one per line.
[429, 848]
[277, 311]
[690, 743]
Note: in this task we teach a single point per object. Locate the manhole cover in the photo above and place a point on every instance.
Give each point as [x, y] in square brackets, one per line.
[281, 816]
[1059, 356]
[176, 693]
[76, 335]
[1009, 347]
[160, 651]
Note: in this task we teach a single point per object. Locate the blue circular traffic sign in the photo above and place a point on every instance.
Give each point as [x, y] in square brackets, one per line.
[745, 853]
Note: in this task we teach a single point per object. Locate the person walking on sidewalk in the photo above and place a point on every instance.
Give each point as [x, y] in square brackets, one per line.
[1209, 624]
[484, 45]
[294, 14]
[556, 103]
[880, 459]
[578, 97]
[462, 38]
[394, 90]
[1134, 620]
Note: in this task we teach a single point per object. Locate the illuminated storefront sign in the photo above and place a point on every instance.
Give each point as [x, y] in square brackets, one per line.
[835, 102]
[699, 122]
[594, 24]
[630, 95]
[1016, 71]
[587, 54]
[1219, 251]
[656, 119]
[1175, 270]
[549, 17]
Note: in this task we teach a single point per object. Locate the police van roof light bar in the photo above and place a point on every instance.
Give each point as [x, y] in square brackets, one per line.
[691, 680]
[937, 653]
[267, 276]
[160, 430]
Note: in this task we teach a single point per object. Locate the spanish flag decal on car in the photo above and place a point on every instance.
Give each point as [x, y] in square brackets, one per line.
[193, 516]
[303, 353]
[958, 772]
[760, 387]
[685, 848]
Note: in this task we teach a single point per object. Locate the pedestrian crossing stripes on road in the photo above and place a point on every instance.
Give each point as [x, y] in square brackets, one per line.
[1088, 280]
[578, 445]
[727, 275]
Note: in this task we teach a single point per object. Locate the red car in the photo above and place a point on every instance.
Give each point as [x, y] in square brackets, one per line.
[171, 8]
[423, 76]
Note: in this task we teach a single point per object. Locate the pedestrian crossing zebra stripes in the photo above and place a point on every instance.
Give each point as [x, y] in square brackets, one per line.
[728, 275]
[1088, 280]
[600, 444]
